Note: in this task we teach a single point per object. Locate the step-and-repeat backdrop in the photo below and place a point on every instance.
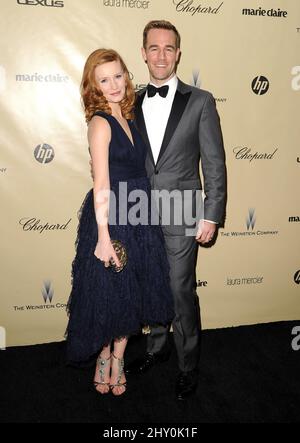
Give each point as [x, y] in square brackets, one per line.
[246, 52]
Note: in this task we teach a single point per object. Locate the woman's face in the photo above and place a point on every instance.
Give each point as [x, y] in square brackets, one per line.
[110, 79]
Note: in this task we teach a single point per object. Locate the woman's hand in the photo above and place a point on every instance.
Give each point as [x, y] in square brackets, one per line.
[105, 252]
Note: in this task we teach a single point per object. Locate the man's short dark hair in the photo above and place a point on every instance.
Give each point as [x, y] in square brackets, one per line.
[160, 24]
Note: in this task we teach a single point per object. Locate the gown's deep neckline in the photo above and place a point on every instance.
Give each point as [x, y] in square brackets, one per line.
[128, 138]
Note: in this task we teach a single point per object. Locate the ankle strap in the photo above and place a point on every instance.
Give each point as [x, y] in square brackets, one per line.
[103, 358]
[117, 358]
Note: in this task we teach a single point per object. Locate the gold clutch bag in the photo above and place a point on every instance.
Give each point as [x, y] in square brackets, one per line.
[121, 254]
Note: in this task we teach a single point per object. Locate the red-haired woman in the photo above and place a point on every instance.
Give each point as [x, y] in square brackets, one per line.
[106, 307]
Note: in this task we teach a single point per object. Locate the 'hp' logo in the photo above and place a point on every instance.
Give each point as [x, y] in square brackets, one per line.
[297, 278]
[251, 219]
[44, 153]
[260, 85]
[2, 339]
[47, 291]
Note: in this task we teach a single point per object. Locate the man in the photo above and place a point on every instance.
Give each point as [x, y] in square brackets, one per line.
[180, 125]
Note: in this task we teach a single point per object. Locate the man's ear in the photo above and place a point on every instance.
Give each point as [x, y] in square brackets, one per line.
[144, 55]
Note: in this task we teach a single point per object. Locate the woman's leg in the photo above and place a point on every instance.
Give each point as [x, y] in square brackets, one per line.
[102, 373]
[118, 379]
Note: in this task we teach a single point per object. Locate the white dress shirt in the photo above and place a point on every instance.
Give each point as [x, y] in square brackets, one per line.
[156, 112]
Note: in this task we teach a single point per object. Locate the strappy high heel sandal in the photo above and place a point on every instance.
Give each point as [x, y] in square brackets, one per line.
[120, 373]
[102, 363]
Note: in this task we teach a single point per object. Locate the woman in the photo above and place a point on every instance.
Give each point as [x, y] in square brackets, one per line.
[106, 307]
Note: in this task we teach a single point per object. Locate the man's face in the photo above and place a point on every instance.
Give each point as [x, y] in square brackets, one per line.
[161, 55]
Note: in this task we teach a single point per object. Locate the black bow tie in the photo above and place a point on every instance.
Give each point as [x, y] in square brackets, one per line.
[152, 90]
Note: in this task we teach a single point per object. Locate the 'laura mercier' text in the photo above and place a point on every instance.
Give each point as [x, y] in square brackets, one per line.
[138, 4]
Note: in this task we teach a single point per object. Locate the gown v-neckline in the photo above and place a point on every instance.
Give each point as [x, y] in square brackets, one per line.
[131, 142]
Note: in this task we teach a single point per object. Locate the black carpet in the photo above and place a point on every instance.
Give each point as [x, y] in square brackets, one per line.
[247, 374]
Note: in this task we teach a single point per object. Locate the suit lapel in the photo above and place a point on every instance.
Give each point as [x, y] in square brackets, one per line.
[140, 123]
[179, 104]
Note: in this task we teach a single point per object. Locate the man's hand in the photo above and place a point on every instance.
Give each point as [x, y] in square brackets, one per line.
[206, 231]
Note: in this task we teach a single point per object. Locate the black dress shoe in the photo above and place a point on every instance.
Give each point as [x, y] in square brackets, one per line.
[186, 384]
[142, 365]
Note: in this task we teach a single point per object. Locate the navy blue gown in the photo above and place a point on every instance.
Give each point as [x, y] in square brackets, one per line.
[105, 305]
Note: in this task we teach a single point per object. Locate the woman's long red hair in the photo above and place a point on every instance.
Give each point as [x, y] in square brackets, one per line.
[92, 96]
